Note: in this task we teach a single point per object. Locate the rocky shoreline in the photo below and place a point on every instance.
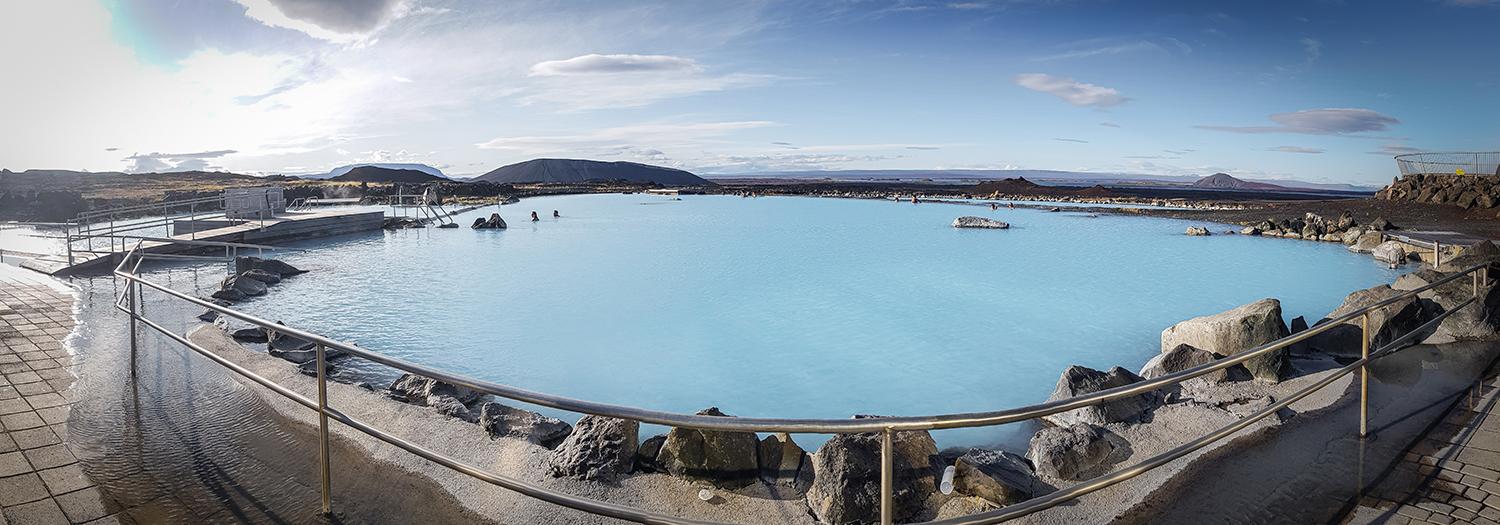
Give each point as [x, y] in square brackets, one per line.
[838, 482]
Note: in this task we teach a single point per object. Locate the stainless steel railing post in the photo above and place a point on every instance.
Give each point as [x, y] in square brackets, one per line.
[887, 477]
[131, 289]
[1364, 376]
[323, 458]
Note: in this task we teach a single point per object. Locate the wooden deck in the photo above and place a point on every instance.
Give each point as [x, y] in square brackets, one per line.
[286, 226]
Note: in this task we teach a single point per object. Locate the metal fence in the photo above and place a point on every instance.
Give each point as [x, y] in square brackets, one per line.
[131, 298]
[1450, 163]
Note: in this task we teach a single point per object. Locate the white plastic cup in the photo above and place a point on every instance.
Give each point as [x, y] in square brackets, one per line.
[705, 494]
[947, 485]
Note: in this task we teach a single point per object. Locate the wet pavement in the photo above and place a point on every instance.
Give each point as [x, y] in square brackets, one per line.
[1451, 475]
[41, 480]
[1315, 468]
[184, 440]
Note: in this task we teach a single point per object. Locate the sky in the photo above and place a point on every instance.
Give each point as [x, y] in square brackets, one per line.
[1318, 91]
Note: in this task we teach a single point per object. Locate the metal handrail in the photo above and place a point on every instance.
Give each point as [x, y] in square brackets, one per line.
[885, 426]
[148, 207]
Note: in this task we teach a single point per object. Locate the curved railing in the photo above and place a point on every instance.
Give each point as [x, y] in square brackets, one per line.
[129, 300]
[1450, 163]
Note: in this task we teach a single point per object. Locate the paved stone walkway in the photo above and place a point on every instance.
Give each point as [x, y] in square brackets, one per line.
[41, 482]
[1451, 476]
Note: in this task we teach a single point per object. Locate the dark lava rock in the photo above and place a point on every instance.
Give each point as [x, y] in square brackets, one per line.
[726, 459]
[599, 448]
[501, 420]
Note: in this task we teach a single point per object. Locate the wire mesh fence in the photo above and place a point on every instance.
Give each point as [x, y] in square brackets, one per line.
[1450, 163]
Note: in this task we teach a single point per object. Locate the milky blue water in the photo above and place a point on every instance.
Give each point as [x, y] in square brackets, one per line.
[794, 307]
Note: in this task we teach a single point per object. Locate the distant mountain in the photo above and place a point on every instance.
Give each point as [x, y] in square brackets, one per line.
[575, 171]
[388, 165]
[1016, 185]
[379, 174]
[1043, 177]
[1225, 181]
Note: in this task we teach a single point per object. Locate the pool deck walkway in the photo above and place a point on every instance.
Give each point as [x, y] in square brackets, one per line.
[1451, 476]
[293, 225]
[41, 481]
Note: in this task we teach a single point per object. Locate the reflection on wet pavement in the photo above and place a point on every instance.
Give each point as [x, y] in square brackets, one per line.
[1453, 473]
[185, 442]
[1315, 468]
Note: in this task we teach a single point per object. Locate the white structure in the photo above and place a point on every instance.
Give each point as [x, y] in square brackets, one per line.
[253, 203]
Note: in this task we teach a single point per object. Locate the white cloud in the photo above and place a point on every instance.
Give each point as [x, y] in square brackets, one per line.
[610, 81]
[1312, 48]
[1326, 121]
[166, 162]
[606, 64]
[1071, 91]
[1114, 49]
[1396, 149]
[209, 100]
[1296, 149]
[339, 21]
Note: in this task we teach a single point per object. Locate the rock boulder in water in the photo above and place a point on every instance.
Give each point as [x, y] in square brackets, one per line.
[250, 335]
[1081, 380]
[1386, 323]
[1351, 236]
[229, 294]
[599, 448]
[245, 285]
[846, 482]
[1367, 241]
[1180, 358]
[245, 264]
[979, 222]
[1197, 231]
[501, 420]
[1075, 452]
[494, 222]
[1389, 252]
[726, 459]
[1235, 331]
[1474, 322]
[998, 477]
[262, 276]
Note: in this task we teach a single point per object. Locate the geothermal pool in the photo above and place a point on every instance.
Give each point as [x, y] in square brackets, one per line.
[791, 307]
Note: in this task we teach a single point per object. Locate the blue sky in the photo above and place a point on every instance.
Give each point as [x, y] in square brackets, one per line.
[1317, 91]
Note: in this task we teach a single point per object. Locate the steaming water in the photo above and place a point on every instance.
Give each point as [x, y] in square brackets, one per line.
[792, 307]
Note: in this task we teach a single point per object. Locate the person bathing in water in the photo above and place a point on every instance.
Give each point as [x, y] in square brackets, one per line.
[534, 218]
[556, 215]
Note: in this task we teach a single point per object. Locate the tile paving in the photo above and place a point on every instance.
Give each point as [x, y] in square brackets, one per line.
[41, 481]
[1451, 476]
